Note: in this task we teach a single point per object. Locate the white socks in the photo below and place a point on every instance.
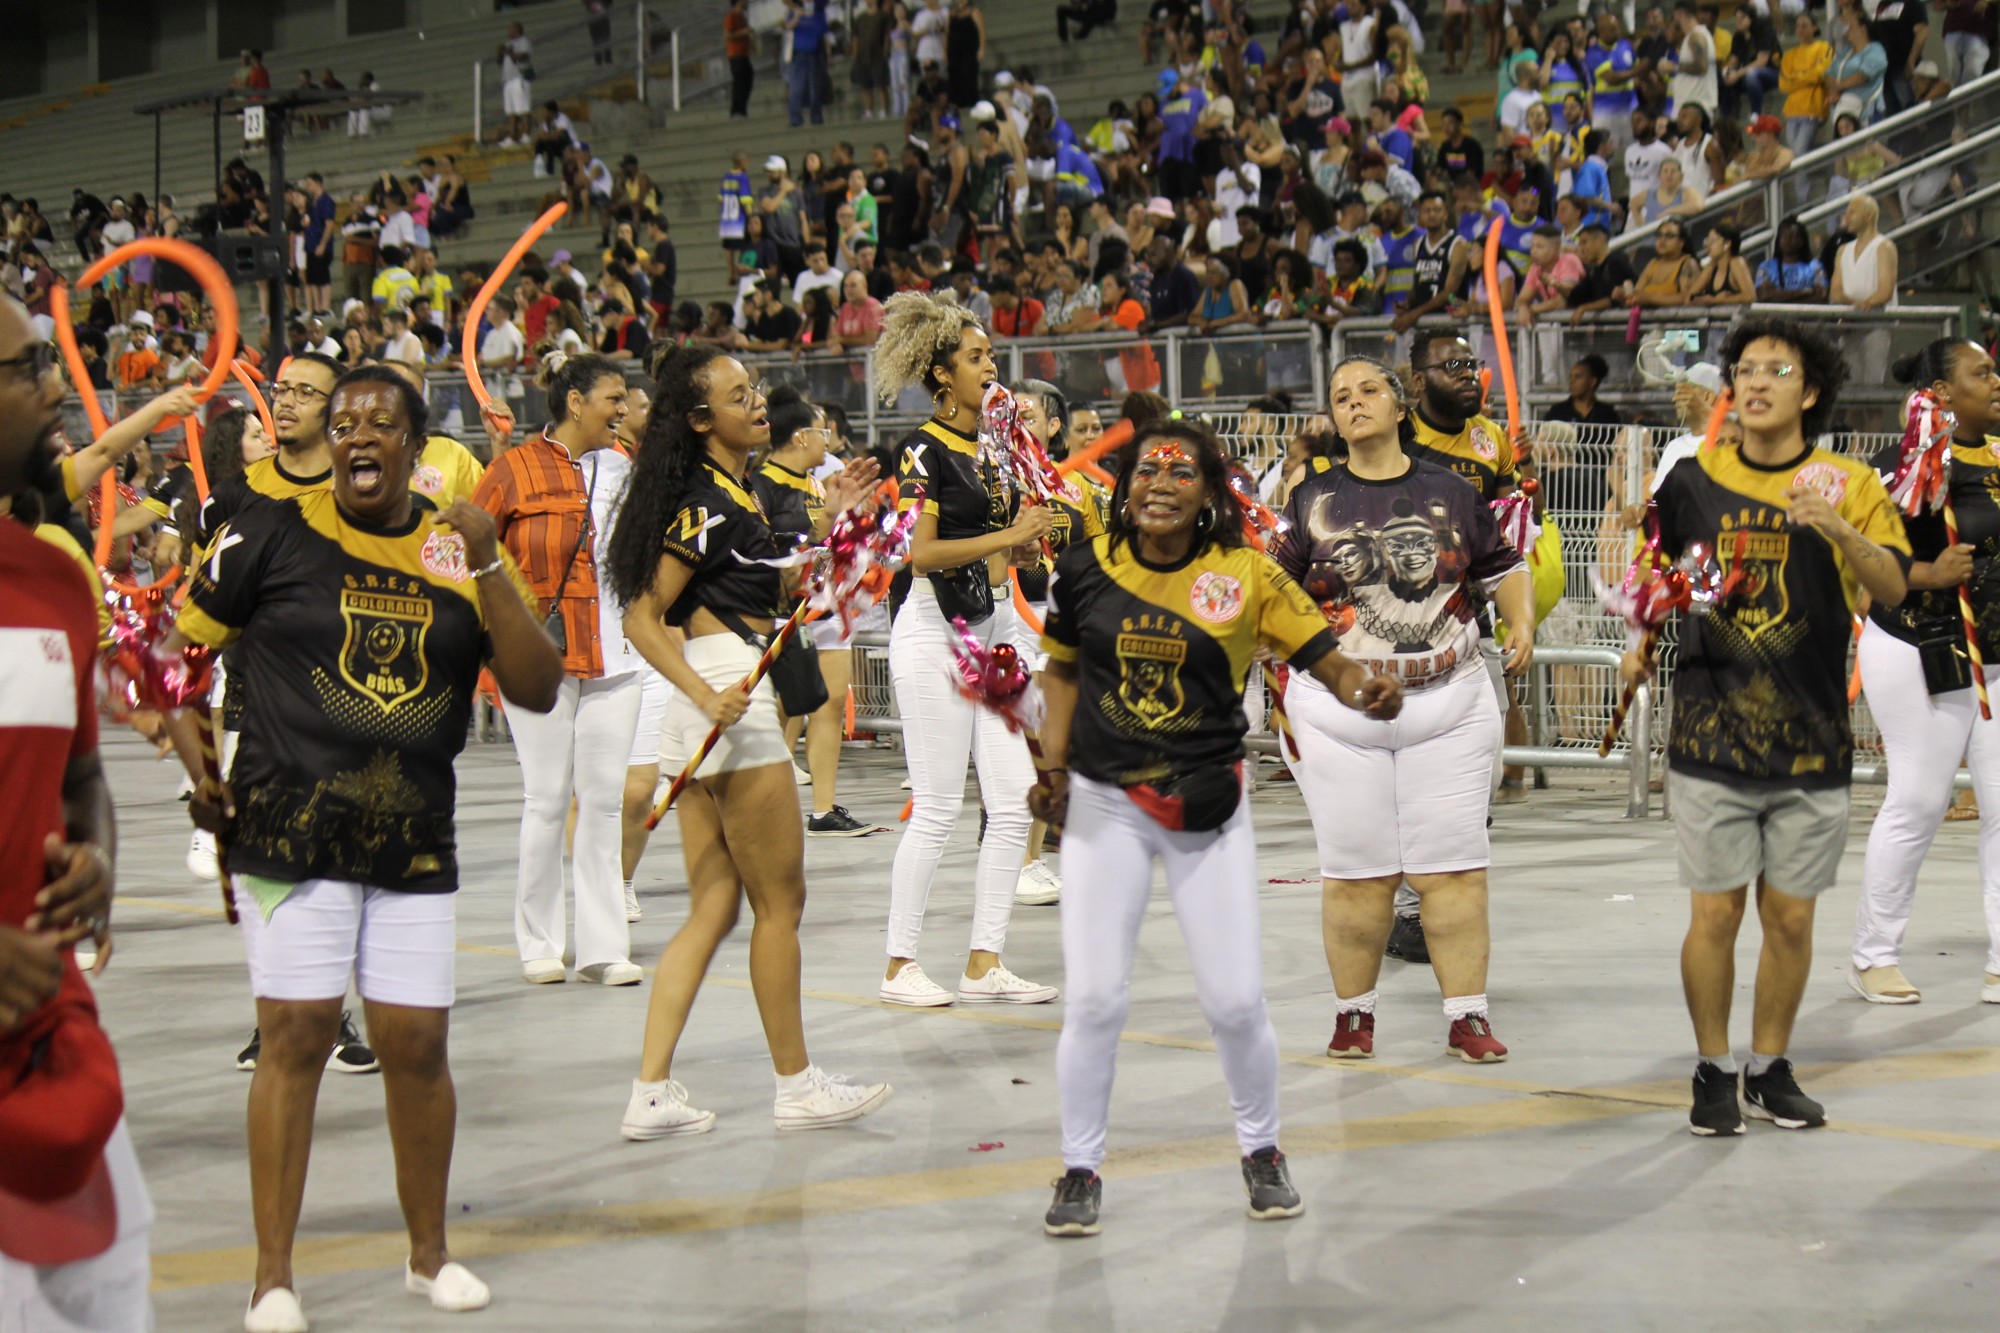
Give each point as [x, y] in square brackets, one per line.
[1355, 1004]
[1726, 1063]
[1464, 1006]
[1761, 1064]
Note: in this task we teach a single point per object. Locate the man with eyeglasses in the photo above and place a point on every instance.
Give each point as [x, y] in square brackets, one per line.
[302, 465]
[1760, 754]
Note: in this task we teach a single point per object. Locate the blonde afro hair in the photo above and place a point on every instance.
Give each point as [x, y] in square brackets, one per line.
[919, 330]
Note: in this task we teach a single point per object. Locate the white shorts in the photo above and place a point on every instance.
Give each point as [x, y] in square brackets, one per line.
[514, 97]
[400, 948]
[654, 694]
[1406, 797]
[757, 740]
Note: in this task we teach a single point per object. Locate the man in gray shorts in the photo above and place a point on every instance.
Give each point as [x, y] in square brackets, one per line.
[1760, 752]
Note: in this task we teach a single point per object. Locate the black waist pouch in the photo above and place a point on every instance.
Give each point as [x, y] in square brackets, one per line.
[1197, 802]
[963, 593]
[795, 676]
[1941, 649]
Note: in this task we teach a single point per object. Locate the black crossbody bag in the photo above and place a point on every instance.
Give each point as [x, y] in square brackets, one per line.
[1941, 650]
[794, 675]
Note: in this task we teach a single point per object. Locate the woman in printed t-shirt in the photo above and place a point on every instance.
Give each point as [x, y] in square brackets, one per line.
[359, 622]
[689, 552]
[1151, 631]
[1397, 551]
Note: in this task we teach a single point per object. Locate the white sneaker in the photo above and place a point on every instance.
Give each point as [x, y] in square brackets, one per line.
[1989, 991]
[1038, 886]
[911, 987]
[454, 1290]
[827, 1099]
[541, 167]
[633, 912]
[612, 974]
[543, 971]
[278, 1312]
[660, 1110]
[999, 986]
[202, 861]
[904, 785]
[801, 777]
[86, 957]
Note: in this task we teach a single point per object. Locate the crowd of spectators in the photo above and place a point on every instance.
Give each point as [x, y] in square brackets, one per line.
[1278, 169]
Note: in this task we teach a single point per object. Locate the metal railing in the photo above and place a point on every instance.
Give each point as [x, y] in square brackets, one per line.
[569, 59]
[1760, 205]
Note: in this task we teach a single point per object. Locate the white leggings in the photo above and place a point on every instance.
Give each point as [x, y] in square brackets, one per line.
[941, 729]
[579, 746]
[1924, 737]
[1109, 846]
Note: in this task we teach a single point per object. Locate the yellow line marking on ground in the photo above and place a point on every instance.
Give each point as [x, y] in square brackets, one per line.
[538, 1232]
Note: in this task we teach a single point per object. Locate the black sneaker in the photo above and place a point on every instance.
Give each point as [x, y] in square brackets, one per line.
[1774, 1095]
[837, 823]
[1715, 1110]
[350, 1054]
[246, 1059]
[1269, 1184]
[1074, 1212]
[1406, 940]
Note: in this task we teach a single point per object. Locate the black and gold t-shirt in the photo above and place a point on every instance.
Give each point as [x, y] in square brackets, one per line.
[362, 649]
[721, 533]
[1760, 684]
[1479, 451]
[1162, 653]
[1975, 503]
[265, 479]
[1078, 518]
[941, 470]
[1394, 566]
[792, 501]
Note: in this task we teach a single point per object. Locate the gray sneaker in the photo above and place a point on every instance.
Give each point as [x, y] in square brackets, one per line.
[1268, 1181]
[1074, 1212]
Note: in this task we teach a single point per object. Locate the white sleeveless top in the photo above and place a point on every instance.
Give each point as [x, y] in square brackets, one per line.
[1859, 269]
[1694, 166]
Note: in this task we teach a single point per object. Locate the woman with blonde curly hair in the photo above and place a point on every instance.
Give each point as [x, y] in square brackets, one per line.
[969, 522]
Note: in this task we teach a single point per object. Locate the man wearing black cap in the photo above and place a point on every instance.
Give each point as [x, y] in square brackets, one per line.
[74, 1214]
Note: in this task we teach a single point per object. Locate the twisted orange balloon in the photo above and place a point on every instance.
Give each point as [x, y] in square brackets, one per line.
[469, 350]
[245, 376]
[1503, 351]
[221, 295]
[1120, 432]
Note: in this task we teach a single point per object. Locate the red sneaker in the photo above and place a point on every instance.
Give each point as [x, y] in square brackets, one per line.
[1472, 1040]
[1353, 1036]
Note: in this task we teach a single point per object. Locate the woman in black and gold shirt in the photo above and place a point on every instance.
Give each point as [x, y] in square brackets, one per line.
[1918, 677]
[966, 534]
[688, 553]
[1399, 553]
[795, 503]
[358, 623]
[1151, 631]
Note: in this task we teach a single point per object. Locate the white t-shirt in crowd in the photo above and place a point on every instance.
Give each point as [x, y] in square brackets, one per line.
[1700, 88]
[502, 342]
[809, 281]
[1642, 165]
[928, 25]
[407, 348]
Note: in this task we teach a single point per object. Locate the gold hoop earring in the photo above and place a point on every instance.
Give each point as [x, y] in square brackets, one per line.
[937, 402]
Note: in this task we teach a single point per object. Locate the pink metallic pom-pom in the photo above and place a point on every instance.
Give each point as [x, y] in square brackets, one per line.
[995, 678]
[861, 549]
[139, 672]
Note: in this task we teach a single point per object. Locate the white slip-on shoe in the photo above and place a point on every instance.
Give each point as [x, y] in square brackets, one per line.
[278, 1312]
[1989, 990]
[1882, 985]
[612, 974]
[911, 987]
[827, 1099]
[660, 1111]
[999, 986]
[454, 1290]
[1038, 885]
[543, 971]
[633, 912]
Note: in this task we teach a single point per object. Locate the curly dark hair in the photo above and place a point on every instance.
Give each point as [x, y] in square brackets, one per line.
[1227, 529]
[667, 460]
[1825, 369]
[222, 444]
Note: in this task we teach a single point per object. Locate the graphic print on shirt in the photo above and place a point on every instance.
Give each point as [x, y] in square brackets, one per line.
[1393, 566]
[1152, 650]
[383, 657]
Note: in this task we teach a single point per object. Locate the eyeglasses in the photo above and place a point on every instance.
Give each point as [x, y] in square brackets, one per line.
[1776, 370]
[1454, 365]
[305, 393]
[32, 366]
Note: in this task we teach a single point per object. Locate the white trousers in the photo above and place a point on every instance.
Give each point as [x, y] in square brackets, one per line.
[106, 1293]
[1109, 846]
[941, 730]
[1924, 737]
[580, 746]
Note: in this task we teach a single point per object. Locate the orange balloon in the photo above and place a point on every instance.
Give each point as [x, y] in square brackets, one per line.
[221, 295]
[469, 351]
